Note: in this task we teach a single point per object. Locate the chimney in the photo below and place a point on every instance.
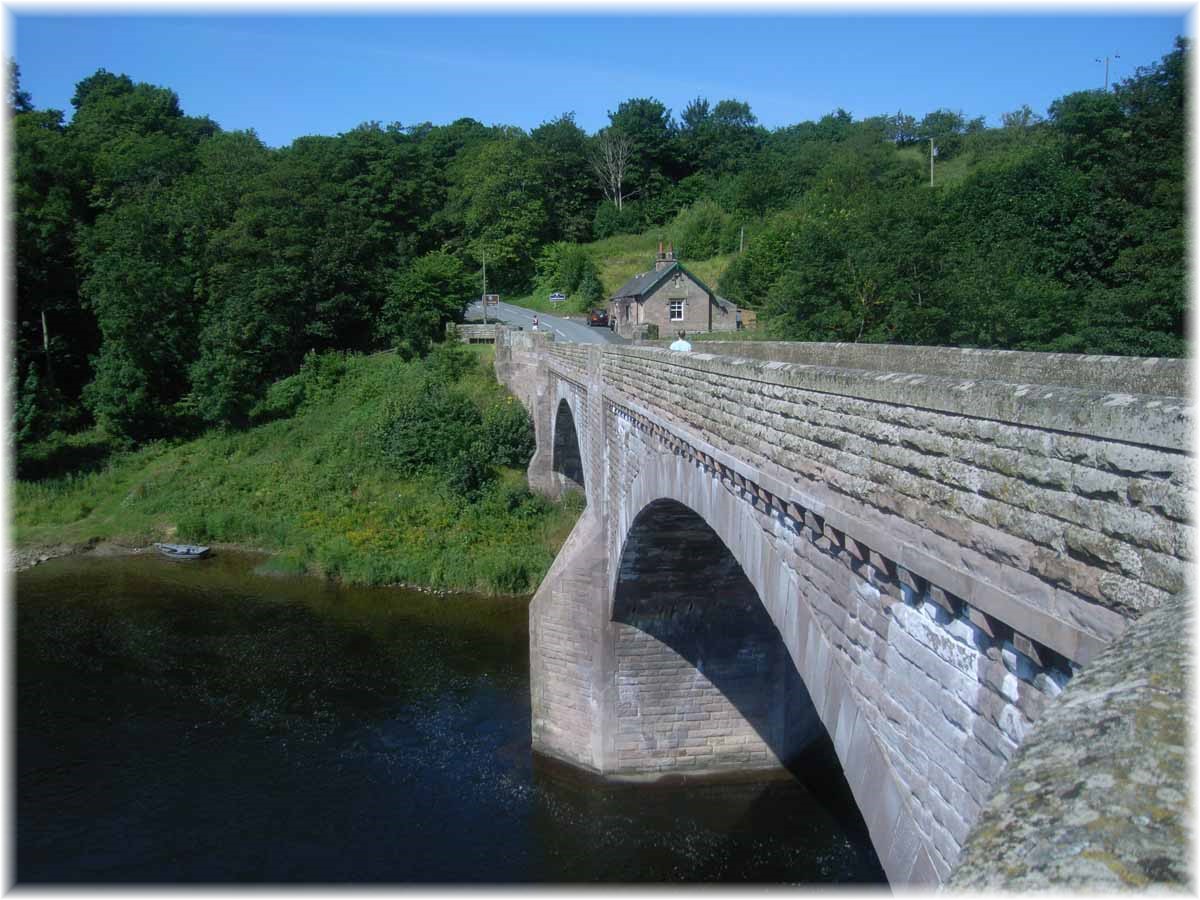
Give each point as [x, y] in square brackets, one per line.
[663, 259]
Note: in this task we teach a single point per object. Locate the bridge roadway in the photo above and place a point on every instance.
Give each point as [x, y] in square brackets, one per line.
[909, 551]
[563, 329]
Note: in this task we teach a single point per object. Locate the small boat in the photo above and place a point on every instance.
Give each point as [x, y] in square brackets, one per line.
[182, 551]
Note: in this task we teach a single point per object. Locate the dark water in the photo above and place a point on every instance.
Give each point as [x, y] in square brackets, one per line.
[193, 722]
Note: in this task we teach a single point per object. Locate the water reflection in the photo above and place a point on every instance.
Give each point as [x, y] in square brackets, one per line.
[198, 723]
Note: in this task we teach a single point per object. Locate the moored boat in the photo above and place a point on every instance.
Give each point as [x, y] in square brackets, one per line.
[182, 551]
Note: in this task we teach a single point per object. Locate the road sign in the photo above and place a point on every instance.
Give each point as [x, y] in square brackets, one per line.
[558, 297]
[491, 299]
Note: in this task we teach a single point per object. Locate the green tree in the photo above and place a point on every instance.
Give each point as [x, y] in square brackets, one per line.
[422, 298]
[945, 128]
[560, 152]
[732, 138]
[499, 197]
[654, 152]
[134, 135]
[54, 334]
[19, 101]
[141, 290]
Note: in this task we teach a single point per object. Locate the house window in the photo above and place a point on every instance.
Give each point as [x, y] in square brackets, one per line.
[676, 310]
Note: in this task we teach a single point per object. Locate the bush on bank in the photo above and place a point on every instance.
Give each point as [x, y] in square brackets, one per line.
[370, 469]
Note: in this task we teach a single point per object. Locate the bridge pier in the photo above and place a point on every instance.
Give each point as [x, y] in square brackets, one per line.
[568, 666]
[665, 671]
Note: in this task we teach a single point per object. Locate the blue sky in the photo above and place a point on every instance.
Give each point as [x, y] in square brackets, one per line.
[287, 75]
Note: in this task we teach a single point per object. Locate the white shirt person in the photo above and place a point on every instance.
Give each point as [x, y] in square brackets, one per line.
[681, 344]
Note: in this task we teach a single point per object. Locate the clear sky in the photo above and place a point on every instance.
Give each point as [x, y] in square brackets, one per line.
[301, 72]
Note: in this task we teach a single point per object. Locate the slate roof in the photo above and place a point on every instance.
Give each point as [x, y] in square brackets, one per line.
[647, 283]
[641, 285]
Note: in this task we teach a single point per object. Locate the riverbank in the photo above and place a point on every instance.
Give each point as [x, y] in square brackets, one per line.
[367, 470]
[21, 559]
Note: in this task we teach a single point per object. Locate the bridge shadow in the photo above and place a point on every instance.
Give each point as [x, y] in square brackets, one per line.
[567, 461]
[701, 645]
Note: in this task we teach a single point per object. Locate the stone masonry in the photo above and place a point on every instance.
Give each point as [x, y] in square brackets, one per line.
[935, 557]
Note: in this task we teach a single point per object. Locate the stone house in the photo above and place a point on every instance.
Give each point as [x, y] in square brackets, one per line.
[670, 297]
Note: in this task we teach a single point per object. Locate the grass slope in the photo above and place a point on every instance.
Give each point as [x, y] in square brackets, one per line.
[312, 488]
[618, 259]
[945, 171]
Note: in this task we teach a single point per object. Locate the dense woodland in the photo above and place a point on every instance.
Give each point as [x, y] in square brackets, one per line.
[168, 271]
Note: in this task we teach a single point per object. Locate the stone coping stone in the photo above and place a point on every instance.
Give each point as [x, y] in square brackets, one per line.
[1146, 420]
[1156, 376]
[1096, 799]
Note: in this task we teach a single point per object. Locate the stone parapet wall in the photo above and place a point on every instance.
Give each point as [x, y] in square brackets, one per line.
[1119, 374]
[474, 334]
[570, 357]
[1063, 535]
[1148, 419]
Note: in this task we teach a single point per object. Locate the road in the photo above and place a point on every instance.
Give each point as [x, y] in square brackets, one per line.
[562, 329]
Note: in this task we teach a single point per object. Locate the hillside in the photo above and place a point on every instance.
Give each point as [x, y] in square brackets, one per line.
[619, 258]
[318, 485]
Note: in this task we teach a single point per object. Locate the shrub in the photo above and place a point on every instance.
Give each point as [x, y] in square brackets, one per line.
[317, 382]
[468, 473]
[508, 433]
[448, 362]
[427, 427]
[700, 230]
[321, 373]
[568, 268]
[609, 220]
[591, 291]
[281, 401]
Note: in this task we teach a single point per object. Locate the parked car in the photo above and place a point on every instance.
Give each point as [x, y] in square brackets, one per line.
[598, 318]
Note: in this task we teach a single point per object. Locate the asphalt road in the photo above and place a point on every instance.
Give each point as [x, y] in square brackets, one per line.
[563, 329]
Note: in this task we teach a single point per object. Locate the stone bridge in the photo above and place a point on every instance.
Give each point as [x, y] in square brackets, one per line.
[911, 551]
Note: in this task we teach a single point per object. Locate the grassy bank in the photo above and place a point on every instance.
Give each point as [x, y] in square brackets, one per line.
[331, 481]
[622, 256]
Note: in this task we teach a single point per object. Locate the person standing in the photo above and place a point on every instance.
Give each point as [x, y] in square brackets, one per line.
[681, 344]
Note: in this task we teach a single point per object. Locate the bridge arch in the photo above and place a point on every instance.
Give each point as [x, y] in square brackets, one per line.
[567, 458]
[705, 683]
[664, 484]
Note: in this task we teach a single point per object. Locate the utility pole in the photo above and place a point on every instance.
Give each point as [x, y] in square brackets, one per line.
[932, 154]
[483, 297]
[742, 240]
[1106, 61]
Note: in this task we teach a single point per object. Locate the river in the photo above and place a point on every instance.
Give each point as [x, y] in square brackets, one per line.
[198, 723]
